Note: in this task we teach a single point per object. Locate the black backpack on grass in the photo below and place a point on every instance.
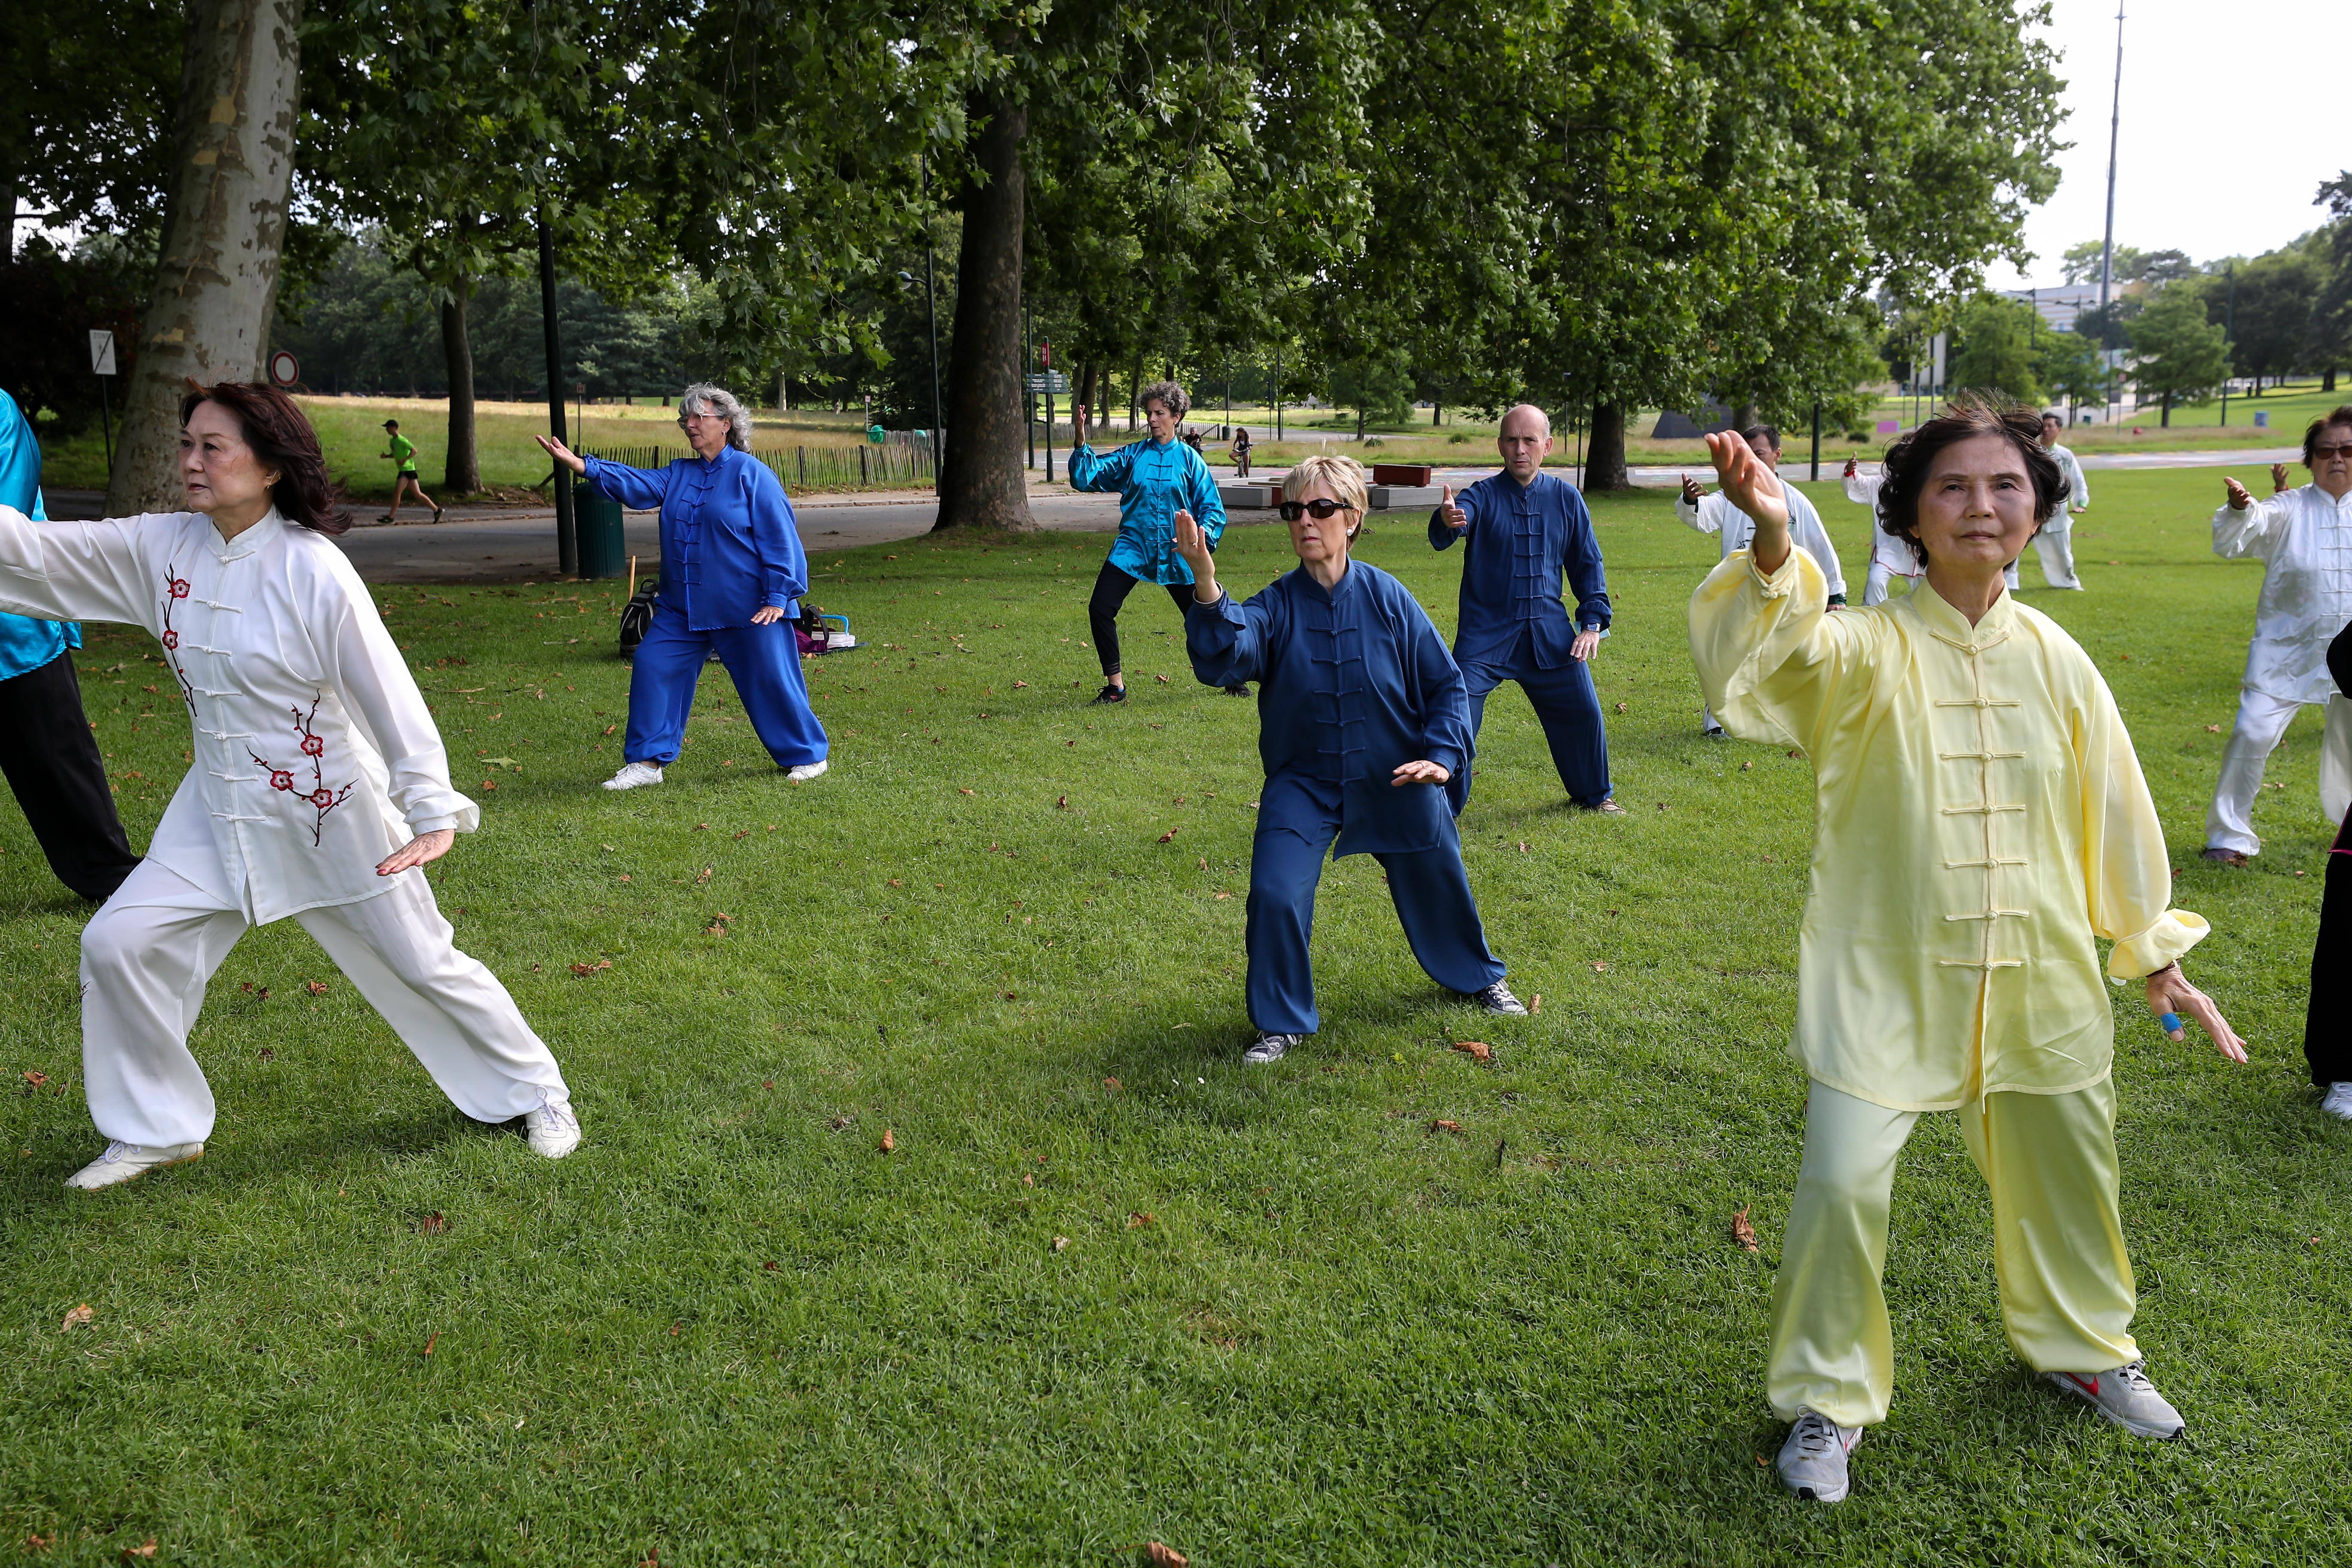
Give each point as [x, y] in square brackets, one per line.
[637, 617]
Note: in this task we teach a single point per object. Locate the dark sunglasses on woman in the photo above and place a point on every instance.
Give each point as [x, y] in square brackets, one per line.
[1318, 509]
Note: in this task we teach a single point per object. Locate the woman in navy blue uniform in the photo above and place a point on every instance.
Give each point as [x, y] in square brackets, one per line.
[1362, 719]
[733, 574]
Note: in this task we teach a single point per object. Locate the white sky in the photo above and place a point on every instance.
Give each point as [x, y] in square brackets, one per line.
[2233, 112]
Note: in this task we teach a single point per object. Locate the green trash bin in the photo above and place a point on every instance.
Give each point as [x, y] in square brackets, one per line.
[603, 548]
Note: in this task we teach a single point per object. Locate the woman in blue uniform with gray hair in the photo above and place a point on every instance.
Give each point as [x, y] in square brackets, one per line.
[733, 574]
[1362, 719]
[1156, 479]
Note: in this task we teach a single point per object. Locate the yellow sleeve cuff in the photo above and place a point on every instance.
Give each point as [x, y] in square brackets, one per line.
[2174, 933]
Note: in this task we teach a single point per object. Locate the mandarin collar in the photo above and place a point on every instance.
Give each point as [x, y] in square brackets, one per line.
[1952, 626]
[1330, 595]
[246, 542]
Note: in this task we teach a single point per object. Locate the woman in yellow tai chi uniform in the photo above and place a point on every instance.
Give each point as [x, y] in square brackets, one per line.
[1982, 819]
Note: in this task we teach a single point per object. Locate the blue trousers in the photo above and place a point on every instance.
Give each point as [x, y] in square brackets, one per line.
[1567, 706]
[765, 662]
[1432, 893]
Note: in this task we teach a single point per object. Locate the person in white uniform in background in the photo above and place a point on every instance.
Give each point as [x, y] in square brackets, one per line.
[1890, 557]
[2305, 538]
[319, 789]
[1733, 529]
[2055, 542]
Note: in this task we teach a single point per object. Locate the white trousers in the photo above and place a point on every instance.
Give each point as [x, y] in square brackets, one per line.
[147, 954]
[2056, 545]
[2262, 718]
[1877, 581]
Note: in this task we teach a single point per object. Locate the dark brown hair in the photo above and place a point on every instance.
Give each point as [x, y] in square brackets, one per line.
[2340, 416]
[281, 438]
[1765, 435]
[1912, 456]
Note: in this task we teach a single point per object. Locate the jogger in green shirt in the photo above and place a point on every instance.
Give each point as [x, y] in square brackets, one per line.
[403, 451]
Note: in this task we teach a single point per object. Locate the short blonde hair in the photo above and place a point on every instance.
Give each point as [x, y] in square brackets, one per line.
[1343, 477]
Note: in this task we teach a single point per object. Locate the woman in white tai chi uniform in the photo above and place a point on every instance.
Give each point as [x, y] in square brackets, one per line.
[1890, 557]
[319, 790]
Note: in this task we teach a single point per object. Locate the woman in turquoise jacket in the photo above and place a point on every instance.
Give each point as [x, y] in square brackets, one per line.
[1158, 480]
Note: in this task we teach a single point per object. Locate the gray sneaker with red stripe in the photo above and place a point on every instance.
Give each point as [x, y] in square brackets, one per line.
[2125, 1397]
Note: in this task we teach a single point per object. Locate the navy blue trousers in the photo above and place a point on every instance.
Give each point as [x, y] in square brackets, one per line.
[765, 662]
[1432, 893]
[1566, 705]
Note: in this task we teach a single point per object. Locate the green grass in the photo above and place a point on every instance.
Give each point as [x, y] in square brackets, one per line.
[729, 1330]
[351, 433]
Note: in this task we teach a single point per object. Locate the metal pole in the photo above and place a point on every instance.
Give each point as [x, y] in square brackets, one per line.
[931, 296]
[1045, 357]
[2229, 331]
[2108, 247]
[1817, 439]
[106, 425]
[1028, 398]
[567, 532]
[1277, 394]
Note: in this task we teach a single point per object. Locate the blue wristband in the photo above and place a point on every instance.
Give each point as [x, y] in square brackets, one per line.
[2169, 1023]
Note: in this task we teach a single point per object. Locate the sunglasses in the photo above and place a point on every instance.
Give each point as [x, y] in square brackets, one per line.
[1318, 508]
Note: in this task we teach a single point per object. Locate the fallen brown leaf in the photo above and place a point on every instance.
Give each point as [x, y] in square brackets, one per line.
[587, 969]
[1167, 836]
[1161, 679]
[77, 1318]
[1060, 1242]
[1744, 766]
[1027, 1180]
[146, 1549]
[1535, 1004]
[1138, 1221]
[36, 1078]
[1476, 1050]
[889, 1144]
[433, 1224]
[1796, 753]
[431, 1340]
[2212, 729]
[315, 988]
[1062, 803]
[1204, 862]
[1741, 1231]
[38, 1543]
[266, 1054]
[1113, 1085]
[1442, 1125]
[771, 1266]
[676, 1330]
[1599, 966]
[1155, 1555]
[963, 792]
[610, 728]
[704, 878]
[1620, 708]
[1019, 684]
[1225, 895]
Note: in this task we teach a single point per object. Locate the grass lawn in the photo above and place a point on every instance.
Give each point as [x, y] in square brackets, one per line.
[351, 432]
[1291, 1323]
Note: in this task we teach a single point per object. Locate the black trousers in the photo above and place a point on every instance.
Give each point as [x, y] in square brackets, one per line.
[1111, 589]
[52, 763]
[2328, 1026]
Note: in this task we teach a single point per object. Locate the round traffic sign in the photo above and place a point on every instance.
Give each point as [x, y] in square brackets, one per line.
[284, 368]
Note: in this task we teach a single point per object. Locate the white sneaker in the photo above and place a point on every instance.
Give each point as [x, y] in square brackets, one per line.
[126, 1161]
[805, 772]
[2125, 1397]
[1814, 1460]
[553, 1131]
[635, 775]
[2337, 1102]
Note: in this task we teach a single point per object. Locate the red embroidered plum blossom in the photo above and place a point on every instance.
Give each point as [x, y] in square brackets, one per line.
[321, 798]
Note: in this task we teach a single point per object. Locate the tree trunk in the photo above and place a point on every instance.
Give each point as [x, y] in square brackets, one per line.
[1744, 417]
[982, 481]
[2165, 422]
[463, 471]
[224, 229]
[1604, 457]
[1134, 386]
[2328, 381]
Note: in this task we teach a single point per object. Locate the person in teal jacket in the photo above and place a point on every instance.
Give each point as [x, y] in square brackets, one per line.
[1157, 479]
[47, 749]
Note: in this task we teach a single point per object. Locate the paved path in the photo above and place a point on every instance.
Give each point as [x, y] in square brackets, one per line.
[504, 544]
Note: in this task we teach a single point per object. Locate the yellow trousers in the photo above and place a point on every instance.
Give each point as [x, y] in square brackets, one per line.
[2066, 1296]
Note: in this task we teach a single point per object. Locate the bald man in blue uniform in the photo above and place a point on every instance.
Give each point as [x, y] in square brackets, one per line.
[1526, 536]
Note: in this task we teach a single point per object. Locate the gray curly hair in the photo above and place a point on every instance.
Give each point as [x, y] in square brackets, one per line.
[704, 398]
[1168, 395]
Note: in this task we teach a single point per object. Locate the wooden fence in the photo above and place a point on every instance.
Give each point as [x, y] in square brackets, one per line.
[895, 465]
